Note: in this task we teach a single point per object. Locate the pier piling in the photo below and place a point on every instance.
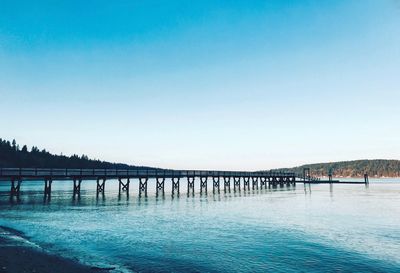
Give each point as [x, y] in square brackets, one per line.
[15, 186]
[123, 186]
[101, 185]
[366, 179]
[203, 184]
[47, 188]
[263, 181]
[246, 182]
[215, 183]
[160, 185]
[306, 175]
[190, 185]
[255, 182]
[236, 183]
[175, 185]
[143, 186]
[227, 183]
[77, 186]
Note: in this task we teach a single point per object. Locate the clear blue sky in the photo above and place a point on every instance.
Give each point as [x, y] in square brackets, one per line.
[203, 84]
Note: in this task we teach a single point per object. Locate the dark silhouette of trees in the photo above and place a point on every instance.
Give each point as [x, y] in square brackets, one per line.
[11, 156]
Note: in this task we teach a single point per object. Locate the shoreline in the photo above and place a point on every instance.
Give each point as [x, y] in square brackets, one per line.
[18, 254]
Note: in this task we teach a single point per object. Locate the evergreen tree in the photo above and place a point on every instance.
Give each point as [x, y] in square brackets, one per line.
[12, 157]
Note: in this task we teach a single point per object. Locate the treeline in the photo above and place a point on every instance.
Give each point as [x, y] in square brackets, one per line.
[356, 168]
[14, 156]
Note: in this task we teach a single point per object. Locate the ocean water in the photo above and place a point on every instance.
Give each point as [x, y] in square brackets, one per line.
[317, 228]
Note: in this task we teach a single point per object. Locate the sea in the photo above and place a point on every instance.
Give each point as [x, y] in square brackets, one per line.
[302, 228]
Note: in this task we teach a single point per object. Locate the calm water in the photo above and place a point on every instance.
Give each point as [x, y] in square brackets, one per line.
[322, 228]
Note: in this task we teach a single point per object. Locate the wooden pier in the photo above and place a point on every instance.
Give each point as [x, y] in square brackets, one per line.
[241, 180]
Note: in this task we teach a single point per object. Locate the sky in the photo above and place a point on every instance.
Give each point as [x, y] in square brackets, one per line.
[230, 85]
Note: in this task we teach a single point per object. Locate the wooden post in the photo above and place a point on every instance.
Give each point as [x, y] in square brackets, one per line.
[306, 175]
[15, 186]
[215, 183]
[246, 182]
[47, 188]
[123, 186]
[263, 181]
[101, 186]
[366, 179]
[236, 183]
[255, 182]
[227, 183]
[143, 186]
[203, 184]
[190, 186]
[160, 182]
[175, 185]
[77, 186]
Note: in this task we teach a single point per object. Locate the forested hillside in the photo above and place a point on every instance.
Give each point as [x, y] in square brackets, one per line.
[12, 155]
[356, 168]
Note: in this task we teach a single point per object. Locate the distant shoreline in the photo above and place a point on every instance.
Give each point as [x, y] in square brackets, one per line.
[18, 255]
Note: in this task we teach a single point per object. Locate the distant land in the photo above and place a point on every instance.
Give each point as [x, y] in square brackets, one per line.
[14, 156]
[355, 168]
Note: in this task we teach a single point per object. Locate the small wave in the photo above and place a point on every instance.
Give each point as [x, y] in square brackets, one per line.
[13, 237]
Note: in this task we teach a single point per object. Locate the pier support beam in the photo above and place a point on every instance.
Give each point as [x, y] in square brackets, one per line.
[203, 184]
[160, 185]
[273, 181]
[246, 183]
[77, 186]
[143, 186]
[190, 185]
[101, 186]
[123, 186]
[366, 179]
[227, 183]
[263, 182]
[236, 183]
[175, 185]
[306, 175]
[47, 188]
[215, 183]
[255, 182]
[15, 187]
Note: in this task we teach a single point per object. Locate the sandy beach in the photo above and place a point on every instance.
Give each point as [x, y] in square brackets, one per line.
[17, 256]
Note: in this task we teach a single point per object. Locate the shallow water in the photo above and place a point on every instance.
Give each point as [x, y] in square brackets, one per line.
[318, 228]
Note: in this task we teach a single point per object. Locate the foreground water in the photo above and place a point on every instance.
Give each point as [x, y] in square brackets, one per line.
[318, 228]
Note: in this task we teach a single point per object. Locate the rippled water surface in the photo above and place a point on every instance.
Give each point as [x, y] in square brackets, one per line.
[318, 228]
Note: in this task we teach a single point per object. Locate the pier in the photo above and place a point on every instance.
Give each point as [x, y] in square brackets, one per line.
[240, 180]
[219, 179]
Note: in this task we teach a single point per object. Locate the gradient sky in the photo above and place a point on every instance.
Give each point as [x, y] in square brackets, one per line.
[234, 85]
